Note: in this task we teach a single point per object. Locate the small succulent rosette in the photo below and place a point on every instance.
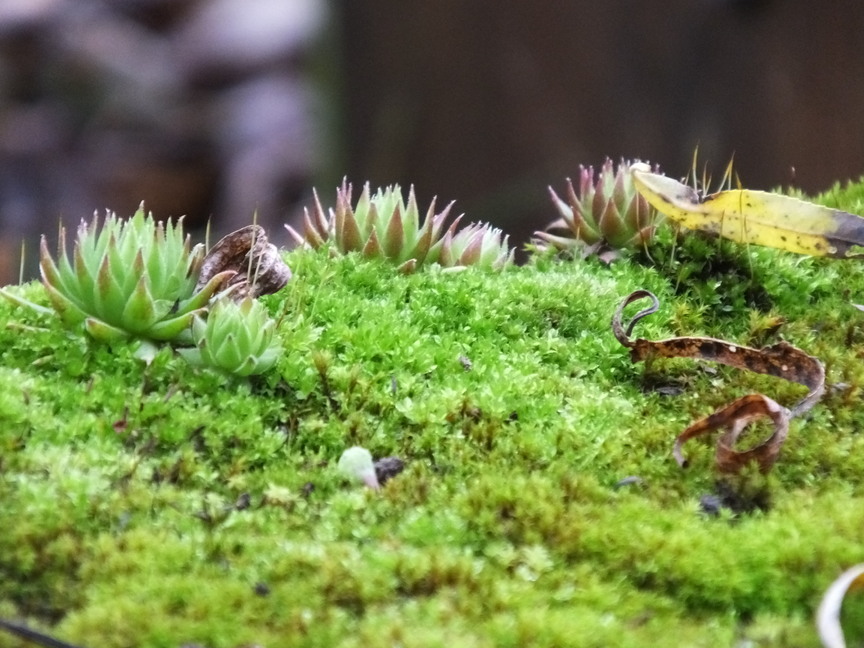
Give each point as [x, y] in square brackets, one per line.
[133, 278]
[236, 338]
[478, 244]
[607, 212]
[381, 225]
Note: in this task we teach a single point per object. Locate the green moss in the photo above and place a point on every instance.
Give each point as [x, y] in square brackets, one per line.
[160, 505]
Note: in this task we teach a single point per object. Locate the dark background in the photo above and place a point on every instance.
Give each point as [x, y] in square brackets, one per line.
[216, 109]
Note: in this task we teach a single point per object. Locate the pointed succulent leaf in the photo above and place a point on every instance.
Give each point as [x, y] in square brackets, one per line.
[268, 358]
[192, 355]
[173, 328]
[436, 250]
[64, 267]
[108, 295]
[83, 288]
[439, 220]
[118, 262]
[69, 312]
[368, 220]
[206, 353]
[207, 292]
[349, 238]
[620, 189]
[196, 258]
[407, 267]
[412, 213]
[372, 249]
[139, 312]
[313, 233]
[612, 226]
[600, 201]
[586, 187]
[421, 248]
[244, 336]
[20, 301]
[446, 256]
[229, 355]
[256, 337]
[394, 238]
[199, 327]
[507, 257]
[48, 269]
[321, 223]
[301, 240]
[246, 368]
[103, 332]
[471, 251]
[640, 214]
[496, 252]
[560, 242]
[564, 209]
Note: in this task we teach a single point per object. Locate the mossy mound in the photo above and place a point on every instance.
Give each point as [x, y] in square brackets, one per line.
[160, 505]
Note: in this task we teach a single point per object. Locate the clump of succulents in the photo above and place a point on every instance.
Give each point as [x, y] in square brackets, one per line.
[128, 278]
[383, 225]
[380, 225]
[607, 212]
[478, 244]
[235, 337]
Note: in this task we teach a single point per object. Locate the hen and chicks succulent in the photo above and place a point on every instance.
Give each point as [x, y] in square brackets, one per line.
[128, 278]
[235, 338]
[606, 212]
[382, 225]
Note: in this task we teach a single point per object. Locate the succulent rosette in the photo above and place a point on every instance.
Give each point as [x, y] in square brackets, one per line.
[478, 244]
[380, 225]
[237, 338]
[132, 278]
[607, 211]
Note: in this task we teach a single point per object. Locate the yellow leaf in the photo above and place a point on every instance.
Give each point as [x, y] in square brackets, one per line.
[757, 217]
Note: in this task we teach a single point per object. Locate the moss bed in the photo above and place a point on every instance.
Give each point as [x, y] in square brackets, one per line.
[162, 505]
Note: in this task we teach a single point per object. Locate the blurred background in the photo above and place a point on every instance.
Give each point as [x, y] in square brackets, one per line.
[216, 109]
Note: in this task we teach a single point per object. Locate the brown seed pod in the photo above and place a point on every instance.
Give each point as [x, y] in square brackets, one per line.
[259, 267]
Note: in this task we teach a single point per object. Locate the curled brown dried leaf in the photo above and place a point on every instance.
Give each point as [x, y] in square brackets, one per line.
[259, 267]
[781, 360]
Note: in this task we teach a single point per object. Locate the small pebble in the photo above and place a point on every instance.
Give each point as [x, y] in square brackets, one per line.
[387, 468]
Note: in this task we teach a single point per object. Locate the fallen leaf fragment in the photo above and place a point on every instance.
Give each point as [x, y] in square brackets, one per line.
[828, 614]
[257, 262]
[781, 360]
[757, 217]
